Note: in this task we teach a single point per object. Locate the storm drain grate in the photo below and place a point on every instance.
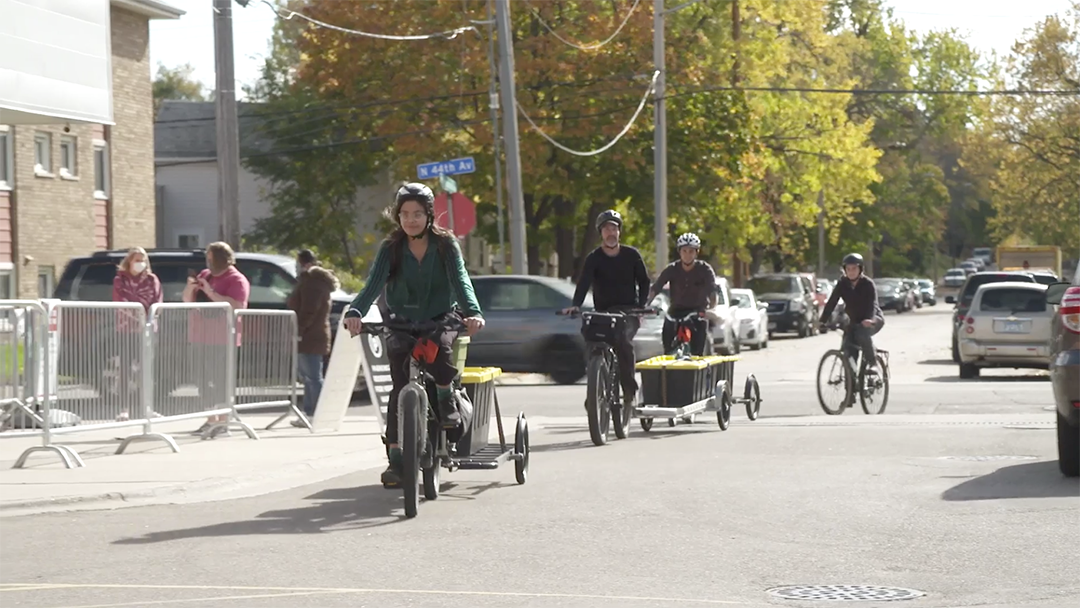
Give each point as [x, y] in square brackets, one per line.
[988, 458]
[844, 593]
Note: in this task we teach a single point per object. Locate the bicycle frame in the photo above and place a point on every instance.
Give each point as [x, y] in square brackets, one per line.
[684, 332]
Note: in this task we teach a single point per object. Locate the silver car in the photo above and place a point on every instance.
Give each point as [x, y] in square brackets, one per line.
[1007, 325]
[523, 334]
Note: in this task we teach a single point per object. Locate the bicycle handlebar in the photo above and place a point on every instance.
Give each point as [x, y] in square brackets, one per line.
[697, 314]
[628, 312]
[414, 328]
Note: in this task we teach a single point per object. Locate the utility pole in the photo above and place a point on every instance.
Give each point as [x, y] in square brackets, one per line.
[660, 210]
[493, 96]
[821, 233]
[228, 130]
[736, 31]
[510, 137]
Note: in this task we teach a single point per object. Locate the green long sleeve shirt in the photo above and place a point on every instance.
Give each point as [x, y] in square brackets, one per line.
[423, 289]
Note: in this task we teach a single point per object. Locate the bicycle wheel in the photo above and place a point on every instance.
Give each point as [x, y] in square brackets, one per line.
[597, 399]
[412, 410]
[834, 382]
[874, 393]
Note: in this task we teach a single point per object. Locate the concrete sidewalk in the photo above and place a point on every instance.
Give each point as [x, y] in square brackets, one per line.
[204, 470]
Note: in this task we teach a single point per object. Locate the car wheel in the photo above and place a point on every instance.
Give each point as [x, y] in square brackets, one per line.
[565, 362]
[955, 350]
[1068, 443]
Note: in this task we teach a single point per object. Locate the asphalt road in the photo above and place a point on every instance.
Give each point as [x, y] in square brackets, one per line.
[952, 496]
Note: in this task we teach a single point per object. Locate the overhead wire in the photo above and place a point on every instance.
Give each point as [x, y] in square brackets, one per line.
[591, 47]
[606, 147]
[445, 35]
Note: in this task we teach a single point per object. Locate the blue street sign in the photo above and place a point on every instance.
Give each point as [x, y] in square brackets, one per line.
[456, 166]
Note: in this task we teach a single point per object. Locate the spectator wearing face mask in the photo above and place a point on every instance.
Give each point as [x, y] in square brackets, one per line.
[134, 282]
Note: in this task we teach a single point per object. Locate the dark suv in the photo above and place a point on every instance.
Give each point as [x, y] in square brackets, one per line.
[90, 278]
[790, 301]
[1065, 371]
[967, 294]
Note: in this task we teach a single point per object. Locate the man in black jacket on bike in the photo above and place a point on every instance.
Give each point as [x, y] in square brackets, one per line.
[616, 273]
[861, 307]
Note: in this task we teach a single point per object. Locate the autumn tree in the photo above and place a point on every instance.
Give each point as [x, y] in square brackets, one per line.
[176, 83]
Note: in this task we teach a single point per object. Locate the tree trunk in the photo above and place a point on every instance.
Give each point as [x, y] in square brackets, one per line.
[564, 236]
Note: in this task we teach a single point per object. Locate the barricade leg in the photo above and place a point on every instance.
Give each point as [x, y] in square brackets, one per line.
[148, 402]
[68, 456]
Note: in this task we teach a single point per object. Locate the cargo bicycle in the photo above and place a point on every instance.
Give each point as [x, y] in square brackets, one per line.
[426, 446]
[603, 402]
[680, 348]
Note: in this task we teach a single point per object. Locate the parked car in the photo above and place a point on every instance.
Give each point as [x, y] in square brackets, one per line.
[927, 291]
[723, 321]
[984, 255]
[1065, 371]
[1044, 277]
[893, 294]
[523, 334]
[979, 264]
[790, 302]
[967, 294]
[752, 318]
[954, 277]
[1007, 325]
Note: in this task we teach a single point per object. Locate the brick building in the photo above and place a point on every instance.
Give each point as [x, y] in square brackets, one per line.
[70, 188]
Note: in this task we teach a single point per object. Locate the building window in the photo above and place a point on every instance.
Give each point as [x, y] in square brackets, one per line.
[7, 158]
[43, 154]
[69, 163]
[188, 241]
[46, 281]
[7, 281]
[101, 169]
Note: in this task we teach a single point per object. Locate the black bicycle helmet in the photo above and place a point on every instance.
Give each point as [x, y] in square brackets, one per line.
[852, 258]
[419, 193]
[608, 216]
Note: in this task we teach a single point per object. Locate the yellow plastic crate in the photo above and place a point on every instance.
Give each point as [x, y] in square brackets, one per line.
[479, 375]
[670, 362]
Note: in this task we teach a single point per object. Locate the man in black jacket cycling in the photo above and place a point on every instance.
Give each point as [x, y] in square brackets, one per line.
[616, 273]
[861, 307]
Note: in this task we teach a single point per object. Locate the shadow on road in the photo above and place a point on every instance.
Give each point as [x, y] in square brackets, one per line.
[1028, 480]
[337, 509]
[990, 379]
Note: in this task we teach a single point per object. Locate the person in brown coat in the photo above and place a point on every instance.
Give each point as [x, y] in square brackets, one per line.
[311, 302]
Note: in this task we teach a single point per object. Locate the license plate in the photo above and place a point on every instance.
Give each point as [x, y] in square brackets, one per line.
[772, 325]
[1011, 327]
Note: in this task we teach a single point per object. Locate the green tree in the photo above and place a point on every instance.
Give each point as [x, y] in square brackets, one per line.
[176, 83]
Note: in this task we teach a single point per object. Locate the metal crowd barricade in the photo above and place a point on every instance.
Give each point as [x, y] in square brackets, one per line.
[194, 364]
[26, 366]
[266, 362]
[101, 369]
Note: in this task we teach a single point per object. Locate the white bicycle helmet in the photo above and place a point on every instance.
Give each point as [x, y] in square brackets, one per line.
[688, 240]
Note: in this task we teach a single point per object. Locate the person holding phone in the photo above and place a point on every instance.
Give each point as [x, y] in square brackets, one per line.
[220, 282]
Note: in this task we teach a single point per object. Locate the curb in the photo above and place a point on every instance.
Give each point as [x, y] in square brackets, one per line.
[221, 488]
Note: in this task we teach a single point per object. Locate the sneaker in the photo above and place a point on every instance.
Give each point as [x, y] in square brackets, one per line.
[202, 429]
[873, 370]
[629, 400]
[391, 477]
[448, 413]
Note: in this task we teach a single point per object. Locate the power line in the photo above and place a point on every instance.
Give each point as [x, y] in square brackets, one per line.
[1013, 92]
[606, 147]
[446, 35]
[593, 46]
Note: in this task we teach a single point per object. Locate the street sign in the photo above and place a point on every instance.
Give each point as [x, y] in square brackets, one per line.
[447, 183]
[457, 166]
[460, 218]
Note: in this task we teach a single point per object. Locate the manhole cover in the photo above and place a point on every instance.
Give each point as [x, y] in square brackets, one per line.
[844, 593]
[987, 458]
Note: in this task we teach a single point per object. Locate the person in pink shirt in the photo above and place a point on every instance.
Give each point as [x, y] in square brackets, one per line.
[220, 282]
[134, 282]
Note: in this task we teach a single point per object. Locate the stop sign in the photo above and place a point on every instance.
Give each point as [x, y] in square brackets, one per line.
[464, 213]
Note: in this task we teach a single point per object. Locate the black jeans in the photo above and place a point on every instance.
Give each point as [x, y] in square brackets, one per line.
[860, 337]
[699, 332]
[399, 352]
